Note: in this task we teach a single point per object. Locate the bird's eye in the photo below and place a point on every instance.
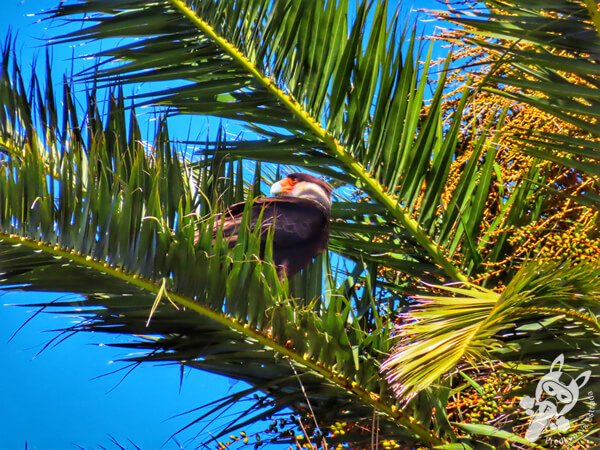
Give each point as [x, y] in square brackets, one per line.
[293, 178]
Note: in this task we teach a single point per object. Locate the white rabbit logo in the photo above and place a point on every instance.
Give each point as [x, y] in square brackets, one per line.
[553, 399]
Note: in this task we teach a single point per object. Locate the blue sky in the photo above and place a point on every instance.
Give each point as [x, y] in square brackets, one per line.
[54, 400]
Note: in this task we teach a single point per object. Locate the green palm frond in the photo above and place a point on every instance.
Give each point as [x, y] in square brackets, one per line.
[536, 316]
[354, 97]
[348, 102]
[97, 213]
[338, 88]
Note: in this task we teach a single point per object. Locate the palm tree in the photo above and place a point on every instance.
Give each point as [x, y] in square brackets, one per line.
[330, 87]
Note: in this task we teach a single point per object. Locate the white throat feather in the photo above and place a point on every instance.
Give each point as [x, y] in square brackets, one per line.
[313, 192]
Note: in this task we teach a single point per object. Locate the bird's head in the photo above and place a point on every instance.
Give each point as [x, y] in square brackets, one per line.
[306, 186]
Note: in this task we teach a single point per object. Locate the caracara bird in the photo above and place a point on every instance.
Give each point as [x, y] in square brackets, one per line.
[299, 215]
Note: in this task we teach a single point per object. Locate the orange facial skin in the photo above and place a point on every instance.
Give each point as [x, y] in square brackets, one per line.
[287, 184]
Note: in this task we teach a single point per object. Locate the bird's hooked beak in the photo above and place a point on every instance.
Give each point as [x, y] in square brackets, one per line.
[283, 187]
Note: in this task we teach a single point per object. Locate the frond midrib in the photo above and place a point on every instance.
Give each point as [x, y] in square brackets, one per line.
[336, 149]
[228, 322]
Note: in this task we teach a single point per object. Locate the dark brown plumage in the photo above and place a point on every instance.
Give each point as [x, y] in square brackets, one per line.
[299, 216]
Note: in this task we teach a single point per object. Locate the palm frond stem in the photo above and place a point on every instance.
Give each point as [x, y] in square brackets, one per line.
[368, 183]
[365, 395]
[592, 6]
